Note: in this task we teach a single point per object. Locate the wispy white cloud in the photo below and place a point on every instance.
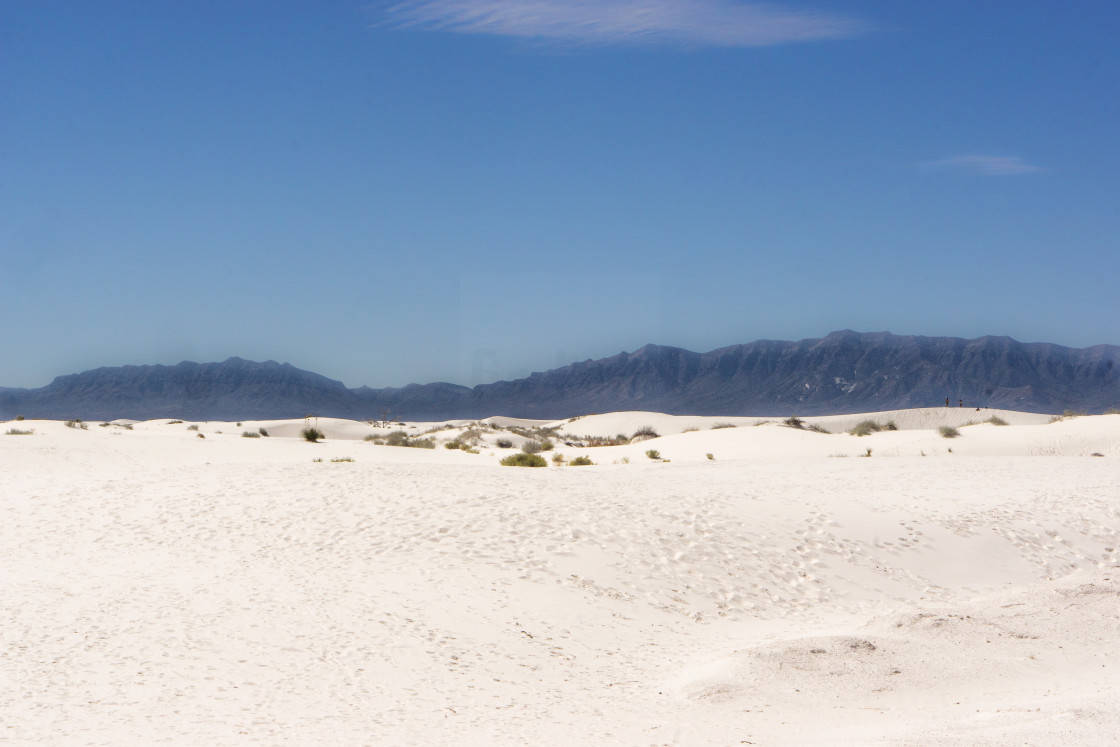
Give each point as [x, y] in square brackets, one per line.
[984, 165]
[709, 23]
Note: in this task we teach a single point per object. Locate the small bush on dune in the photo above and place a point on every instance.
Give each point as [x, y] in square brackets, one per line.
[558, 458]
[531, 447]
[262, 432]
[18, 418]
[794, 422]
[996, 420]
[646, 431]
[77, 424]
[867, 427]
[947, 431]
[192, 427]
[19, 432]
[337, 460]
[581, 461]
[653, 454]
[521, 459]
[818, 428]
[454, 445]
[711, 458]
[505, 443]
[311, 435]
[250, 434]
[719, 426]
[400, 438]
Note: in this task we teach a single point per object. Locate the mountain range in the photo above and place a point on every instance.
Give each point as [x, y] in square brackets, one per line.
[844, 372]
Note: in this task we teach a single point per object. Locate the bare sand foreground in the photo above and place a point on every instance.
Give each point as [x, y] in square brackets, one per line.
[158, 587]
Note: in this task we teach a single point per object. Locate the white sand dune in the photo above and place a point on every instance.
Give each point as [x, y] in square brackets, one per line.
[158, 586]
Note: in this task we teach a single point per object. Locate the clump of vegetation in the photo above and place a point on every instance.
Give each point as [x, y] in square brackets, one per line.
[624, 460]
[532, 447]
[1097, 454]
[581, 461]
[239, 425]
[719, 426]
[504, 443]
[710, 457]
[996, 420]
[202, 435]
[20, 432]
[174, 422]
[794, 422]
[250, 434]
[311, 434]
[653, 454]
[558, 458]
[1112, 411]
[867, 454]
[193, 427]
[521, 459]
[400, 438]
[693, 429]
[1066, 414]
[452, 445]
[818, 428]
[18, 418]
[646, 431]
[262, 432]
[867, 427]
[336, 460]
[948, 431]
[77, 423]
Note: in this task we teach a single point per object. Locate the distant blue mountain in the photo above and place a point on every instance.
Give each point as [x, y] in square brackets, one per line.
[842, 373]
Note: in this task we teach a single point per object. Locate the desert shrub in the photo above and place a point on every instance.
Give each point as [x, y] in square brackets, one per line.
[818, 428]
[239, 425]
[336, 460]
[1097, 454]
[174, 422]
[948, 431]
[201, 435]
[262, 432]
[693, 429]
[866, 428]
[531, 447]
[996, 420]
[397, 438]
[867, 453]
[311, 435]
[624, 460]
[581, 461]
[20, 432]
[646, 431]
[710, 457]
[250, 434]
[400, 438]
[193, 427]
[18, 418]
[454, 445]
[546, 446]
[558, 458]
[794, 422]
[505, 443]
[719, 426]
[653, 454]
[76, 423]
[521, 459]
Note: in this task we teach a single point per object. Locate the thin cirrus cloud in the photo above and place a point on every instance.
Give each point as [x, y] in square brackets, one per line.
[983, 165]
[709, 23]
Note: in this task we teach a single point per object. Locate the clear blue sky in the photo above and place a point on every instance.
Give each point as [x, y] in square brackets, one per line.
[468, 190]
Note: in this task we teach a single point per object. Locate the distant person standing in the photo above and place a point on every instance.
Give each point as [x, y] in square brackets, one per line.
[946, 401]
[960, 403]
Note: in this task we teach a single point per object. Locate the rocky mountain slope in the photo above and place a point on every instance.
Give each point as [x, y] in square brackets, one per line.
[844, 372]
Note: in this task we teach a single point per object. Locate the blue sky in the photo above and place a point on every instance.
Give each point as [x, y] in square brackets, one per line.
[464, 191]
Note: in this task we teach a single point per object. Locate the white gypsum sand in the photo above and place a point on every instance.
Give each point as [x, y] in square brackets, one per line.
[231, 590]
